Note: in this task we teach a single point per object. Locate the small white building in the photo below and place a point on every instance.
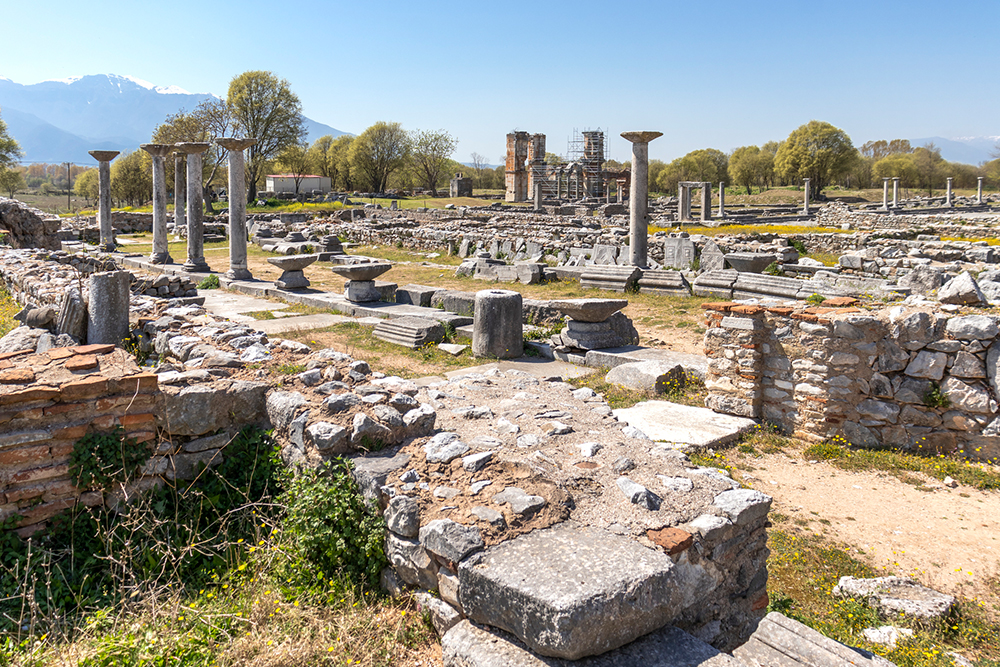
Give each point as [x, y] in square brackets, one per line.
[278, 183]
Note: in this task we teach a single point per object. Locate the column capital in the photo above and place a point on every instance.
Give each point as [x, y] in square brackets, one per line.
[641, 137]
[236, 143]
[157, 150]
[192, 146]
[104, 156]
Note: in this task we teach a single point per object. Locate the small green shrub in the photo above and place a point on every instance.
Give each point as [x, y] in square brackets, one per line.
[774, 269]
[799, 246]
[935, 397]
[329, 526]
[291, 369]
[209, 282]
[815, 299]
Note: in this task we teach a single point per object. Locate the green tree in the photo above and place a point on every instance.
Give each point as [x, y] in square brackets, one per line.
[296, 161]
[132, 178]
[87, 185]
[377, 152]
[743, 165]
[898, 165]
[10, 150]
[193, 127]
[480, 168]
[430, 151]
[817, 151]
[927, 160]
[264, 107]
[11, 180]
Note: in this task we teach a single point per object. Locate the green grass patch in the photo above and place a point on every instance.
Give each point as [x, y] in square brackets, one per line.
[618, 396]
[8, 309]
[803, 570]
[839, 452]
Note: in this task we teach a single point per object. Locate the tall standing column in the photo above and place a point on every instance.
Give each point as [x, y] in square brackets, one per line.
[180, 191]
[979, 190]
[722, 199]
[196, 228]
[620, 192]
[895, 191]
[706, 202]
[885, 193]
[947, 196]
[237, 206]
[805, 207]
[161, 252]
[104, 159]
[638, 205]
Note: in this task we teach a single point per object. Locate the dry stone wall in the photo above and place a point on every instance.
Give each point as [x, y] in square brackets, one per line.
[905, 378]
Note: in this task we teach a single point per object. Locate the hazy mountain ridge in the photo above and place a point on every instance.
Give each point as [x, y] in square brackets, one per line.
[59, 121]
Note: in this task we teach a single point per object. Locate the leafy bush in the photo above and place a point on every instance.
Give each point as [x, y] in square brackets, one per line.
[98, 459]
[799, 246]
[815, 299]
[330, 527]
[774, 269]
[935, 397]
[209, 282]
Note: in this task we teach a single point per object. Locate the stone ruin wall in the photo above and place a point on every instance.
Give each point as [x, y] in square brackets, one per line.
[865, 376]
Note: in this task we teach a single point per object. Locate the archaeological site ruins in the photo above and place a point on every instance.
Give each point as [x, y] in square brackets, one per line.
[537, 524]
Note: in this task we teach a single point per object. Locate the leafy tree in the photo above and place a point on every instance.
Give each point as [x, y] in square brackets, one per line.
[11, 181]
[743, 166]
[430, 151]
[10, 150]
[295, 160]
[479, 167]
[87, 185]
[817, 151]
[898, 165]
[132, 178]
[927, 160]
[265, 108]
[991, 170]
[378, 152]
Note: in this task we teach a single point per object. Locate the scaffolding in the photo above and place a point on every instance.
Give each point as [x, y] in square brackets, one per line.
[590, 150]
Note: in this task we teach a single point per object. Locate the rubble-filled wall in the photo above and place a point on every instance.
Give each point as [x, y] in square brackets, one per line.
[900, 377]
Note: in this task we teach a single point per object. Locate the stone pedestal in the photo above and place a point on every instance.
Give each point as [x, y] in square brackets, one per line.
[885, 194]
[160, 253]
[362, 291]
[180, 192]
[107, 311]
[590, 335]
[638, 206]
[497, 329]
[292, 276]
[104, 159]
[895, 191]
[195, 201]
[947, 197]
[589, 326]
[238, 208]
[805, 198]
[361, 286]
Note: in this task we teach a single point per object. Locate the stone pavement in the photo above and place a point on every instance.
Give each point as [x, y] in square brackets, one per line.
[684, 425]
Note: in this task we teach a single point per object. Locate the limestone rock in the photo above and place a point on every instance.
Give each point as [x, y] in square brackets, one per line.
[656, 376]
[449, 540]
[896, 595]
[963, 290]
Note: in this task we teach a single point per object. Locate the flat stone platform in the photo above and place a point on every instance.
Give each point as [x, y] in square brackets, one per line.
[684, 425]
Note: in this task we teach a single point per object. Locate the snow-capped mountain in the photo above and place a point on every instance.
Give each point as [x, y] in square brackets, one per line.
[60, 120]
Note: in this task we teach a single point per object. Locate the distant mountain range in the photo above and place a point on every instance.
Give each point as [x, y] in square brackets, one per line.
[59, 121]
[970, 150]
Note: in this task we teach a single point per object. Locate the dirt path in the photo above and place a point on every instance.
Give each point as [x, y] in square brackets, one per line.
[947, 538]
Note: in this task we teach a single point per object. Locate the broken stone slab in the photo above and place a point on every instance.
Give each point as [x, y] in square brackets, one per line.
[672, 283]
[411, 332]
[469, 645]
[416, 295]
[371, 471]
[444, 448]
[779, 640]
[621, 590]
[922, 280]
[655, 376]
[718, 284]
[638, 494]
[743, 506]
[750, 262]
[611, 278]
[589, 310]
[892, 596]
[402, 516]
[521, 503]
[694, 427]
[443, 616]
[962, 290]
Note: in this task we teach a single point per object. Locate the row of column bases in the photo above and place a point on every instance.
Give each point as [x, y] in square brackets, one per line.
[948, 201]
[188, 202]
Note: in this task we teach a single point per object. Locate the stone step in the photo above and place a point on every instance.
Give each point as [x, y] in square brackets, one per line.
[469, 645]
[612, 278]
[781, 642]
[411, 332]
[664, 282]
[571, 591]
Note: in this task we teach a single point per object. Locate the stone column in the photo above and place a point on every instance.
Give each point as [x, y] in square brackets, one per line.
[706, 202]
[107, 312]
[979, 190]
[805, 207]
[180, 192]
[620, 194]
[638, 205]
[947, 195]
[196, 229]
[885, 193]
[237, 207]
[497, 327]
[895, 191]
[722, 199]
[104, 159]
[538, 196]
[160, 253]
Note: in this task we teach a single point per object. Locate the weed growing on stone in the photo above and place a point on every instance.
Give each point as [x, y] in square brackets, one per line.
[8, 309]
[209, 282]
[291, 369]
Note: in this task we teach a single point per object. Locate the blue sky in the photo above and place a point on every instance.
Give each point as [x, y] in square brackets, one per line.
[719, 75]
